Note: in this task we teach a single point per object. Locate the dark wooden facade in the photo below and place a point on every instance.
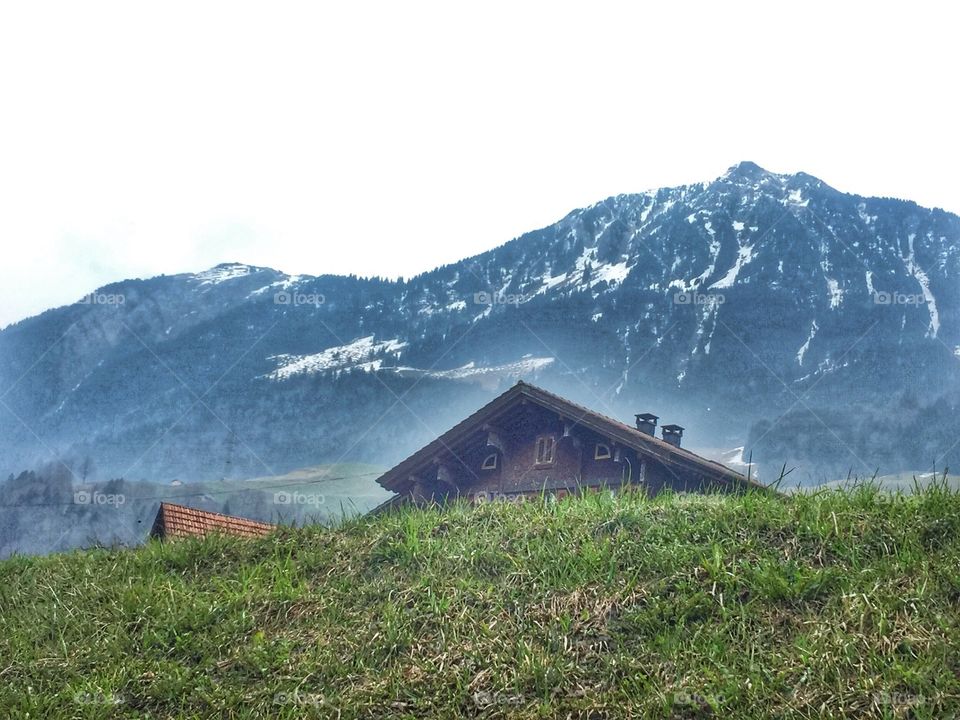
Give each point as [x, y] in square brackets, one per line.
[529, 441]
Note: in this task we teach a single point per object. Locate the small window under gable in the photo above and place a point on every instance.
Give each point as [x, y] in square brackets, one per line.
[601, 451]
[545, 447]
[489, 462]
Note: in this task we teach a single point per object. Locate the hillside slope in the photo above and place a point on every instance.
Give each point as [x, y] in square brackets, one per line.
[837, 604]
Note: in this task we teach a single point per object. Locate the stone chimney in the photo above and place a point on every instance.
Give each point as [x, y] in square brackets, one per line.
[672, 434]
[647, 422]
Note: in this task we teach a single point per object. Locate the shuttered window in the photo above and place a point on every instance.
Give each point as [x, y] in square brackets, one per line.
[545, 448]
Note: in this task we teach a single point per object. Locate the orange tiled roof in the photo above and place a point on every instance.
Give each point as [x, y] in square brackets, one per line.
[180, 521]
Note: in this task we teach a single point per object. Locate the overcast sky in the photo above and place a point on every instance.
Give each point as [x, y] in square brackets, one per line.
[387, 138]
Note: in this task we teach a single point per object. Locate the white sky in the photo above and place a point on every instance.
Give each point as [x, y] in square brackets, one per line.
[387, 138]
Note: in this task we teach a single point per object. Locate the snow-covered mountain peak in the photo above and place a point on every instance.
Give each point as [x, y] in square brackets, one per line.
[226, 271]
[747, 170]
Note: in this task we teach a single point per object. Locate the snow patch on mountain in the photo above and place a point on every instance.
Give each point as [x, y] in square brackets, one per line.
[284, 284]
[921, 277]
[835, 293]
[579, 277]
[795, 197]
[806, 346]
[359, 354]
[744, 256]
[551, 281]
[610, 273]
[711, 304]
[602, 230]
[367, 355]
[472, 372]
[711, 266]
[222, 273]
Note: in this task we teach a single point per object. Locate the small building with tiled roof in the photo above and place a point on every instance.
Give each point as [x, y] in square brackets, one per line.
[529, 441]
[175, 521]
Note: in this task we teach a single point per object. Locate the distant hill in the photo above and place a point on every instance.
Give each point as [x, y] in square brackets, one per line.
[902, 482]
[838, 604]
[48, 511]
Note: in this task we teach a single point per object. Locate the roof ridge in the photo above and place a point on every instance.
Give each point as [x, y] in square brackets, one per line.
[645, 437]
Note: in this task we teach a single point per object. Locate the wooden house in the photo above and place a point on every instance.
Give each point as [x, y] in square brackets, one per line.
[529, 441]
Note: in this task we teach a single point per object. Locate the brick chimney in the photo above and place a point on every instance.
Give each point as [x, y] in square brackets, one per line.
[672, 434]
[647, 422]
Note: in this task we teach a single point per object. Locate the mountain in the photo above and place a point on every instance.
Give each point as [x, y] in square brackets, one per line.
[764, 311]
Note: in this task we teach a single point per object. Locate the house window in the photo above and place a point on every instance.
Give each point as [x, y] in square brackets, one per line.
[601, 451]
[545, 447]
[489, 462]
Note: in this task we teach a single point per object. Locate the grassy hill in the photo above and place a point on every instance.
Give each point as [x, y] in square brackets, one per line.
[834, 604]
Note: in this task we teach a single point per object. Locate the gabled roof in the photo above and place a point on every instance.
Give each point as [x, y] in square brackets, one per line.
[398, 477]
[181, 521]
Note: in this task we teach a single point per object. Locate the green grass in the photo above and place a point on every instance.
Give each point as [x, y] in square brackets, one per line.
[834, 604]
